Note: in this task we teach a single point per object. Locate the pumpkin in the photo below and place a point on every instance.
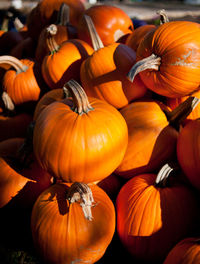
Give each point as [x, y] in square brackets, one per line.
[184, 252]
[46, 12]
[64, 61]
[64, 31]
[80, 218]
[154, 213]
[115, 23]
[103, 75]
[20, 83]
[168, 59]
[25, 49]
[153, 132]
[95, 130]
[20, 184]
[187, 151]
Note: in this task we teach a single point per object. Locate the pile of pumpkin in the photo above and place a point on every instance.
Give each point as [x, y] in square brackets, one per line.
[100, 134]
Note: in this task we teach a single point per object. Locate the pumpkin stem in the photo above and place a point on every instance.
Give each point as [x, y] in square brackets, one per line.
[163, 16]
[14, 62]
[150, 63]
[63, 15]
[180, 113]
[96, 40]
[8, 103]
[81, 192]
[18, 24]
[51, 43]
[79, 97]
[163, 174]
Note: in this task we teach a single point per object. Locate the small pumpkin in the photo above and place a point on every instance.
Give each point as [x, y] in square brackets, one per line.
[80, 218]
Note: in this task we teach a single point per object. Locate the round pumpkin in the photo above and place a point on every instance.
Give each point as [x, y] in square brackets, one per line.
[74, 137]
[79, 218]
[154, 213]
[168, 59]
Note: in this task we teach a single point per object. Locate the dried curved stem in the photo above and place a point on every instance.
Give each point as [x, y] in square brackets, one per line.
[8, 103]
[18, 24]
[181, 112]
[163, 16]
[81, 192]
[14, 62]
[63, 15]
[163, 174]
[150, 63]
[51, 43]
[96, 40]
[80, 100]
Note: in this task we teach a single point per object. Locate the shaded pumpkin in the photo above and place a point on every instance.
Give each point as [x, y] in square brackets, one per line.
[187, 151]
[96, 132]
[20, 184]
[150, 212]
[80, 218]
[184, 252]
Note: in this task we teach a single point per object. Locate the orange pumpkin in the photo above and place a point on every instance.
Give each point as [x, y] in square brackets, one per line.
[64, 61]
[115, 23]
[169, 59]
[186, 251]
[20, 83]
[64, 31]
[79, 218]
[154, 213]
[94, 129]
[103, 75]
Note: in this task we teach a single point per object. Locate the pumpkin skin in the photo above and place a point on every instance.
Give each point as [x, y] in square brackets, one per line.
[78, 239]
[46, 12]
[149, 136]
[185, 252]
[63, 65]
[134, 39]
[150, 218]
[58, 124]
[19, 186]
[177, 43]
[103, 75]
[115, 24]
[187, 151]
[48, 98]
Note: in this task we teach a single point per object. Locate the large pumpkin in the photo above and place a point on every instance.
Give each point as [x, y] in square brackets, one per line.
[154, 213]
[169, 59]
[83, 139]
[72, 225]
